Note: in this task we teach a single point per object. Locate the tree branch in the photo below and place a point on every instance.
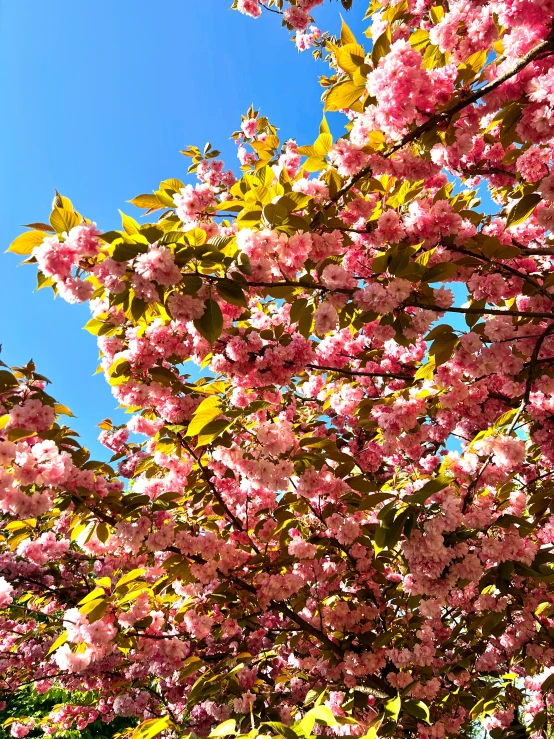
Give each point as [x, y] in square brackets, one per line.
[482, 311]
[391, 375]
[446, 115]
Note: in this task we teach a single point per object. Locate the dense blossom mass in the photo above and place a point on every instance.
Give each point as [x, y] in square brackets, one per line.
[345, 526]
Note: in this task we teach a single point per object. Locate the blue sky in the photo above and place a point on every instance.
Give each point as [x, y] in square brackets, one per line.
[98, 99]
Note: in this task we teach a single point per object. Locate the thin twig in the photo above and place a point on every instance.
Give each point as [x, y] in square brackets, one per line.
[391, 375]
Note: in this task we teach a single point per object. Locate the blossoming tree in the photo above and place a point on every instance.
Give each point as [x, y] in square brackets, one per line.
[297, 546]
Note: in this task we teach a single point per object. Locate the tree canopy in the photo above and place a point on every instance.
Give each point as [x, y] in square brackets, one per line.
[340, 521]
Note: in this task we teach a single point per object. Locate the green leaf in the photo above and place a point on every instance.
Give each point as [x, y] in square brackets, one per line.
[381, 47]
[63, 220]
[124, 252]
[522, 209]
[225, 729]
[129, 224]
[151, 728]
[146, 201]
[343, 95]
[429, 489]
[231, 292]
[392, 708]
[211, 431]
[425, 372]
[297, 309]
[60, 641]
[7, 380]
[380, 262]
[18, 434]
[305, 321]
[129, 577]
[417, 709]
[320, 713]
[26, 242]
[208, 410]
[210, 324]
[346, 35]
[440, 272]
[350, 57]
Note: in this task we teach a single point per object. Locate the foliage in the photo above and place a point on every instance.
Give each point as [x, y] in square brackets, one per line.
[32, 706]
[298, 549]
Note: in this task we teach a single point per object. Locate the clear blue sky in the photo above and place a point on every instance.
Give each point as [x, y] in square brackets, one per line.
[98, 98]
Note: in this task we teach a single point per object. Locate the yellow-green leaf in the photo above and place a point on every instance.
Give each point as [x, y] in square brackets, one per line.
[425, 372]
[392, 707]
[196, 237]
[210, 324]
[314, 164]
[129, 577]
[381, 47]
[350, 57]
[146, 201]
[346, 35]
[211, 431]
[93, 595]
[26, 242]
[225, 729]
[417, 709]
[151, 728]
[62, 638]
[319, 713]
[343, 95]
[208, 410]
[63, 220]
[129, 224]
[522, 209]
[62, 410]
[323, 144]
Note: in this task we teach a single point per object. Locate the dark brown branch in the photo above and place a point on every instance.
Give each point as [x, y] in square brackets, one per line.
[271, 10]
[484, 171]
[534, 360]
[525, 400]
[204, 472]
[269, 285]
[505, 268]
[391, 375]
[482, 311]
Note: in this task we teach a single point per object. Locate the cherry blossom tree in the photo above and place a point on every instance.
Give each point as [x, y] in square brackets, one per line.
[331, 510]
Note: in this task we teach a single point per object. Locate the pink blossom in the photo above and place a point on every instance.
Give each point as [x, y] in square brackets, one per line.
[297, 18]
[6, 591]
[325, 318]
[158, 265]
[250, 127]
[185, 307]
[249, 7]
